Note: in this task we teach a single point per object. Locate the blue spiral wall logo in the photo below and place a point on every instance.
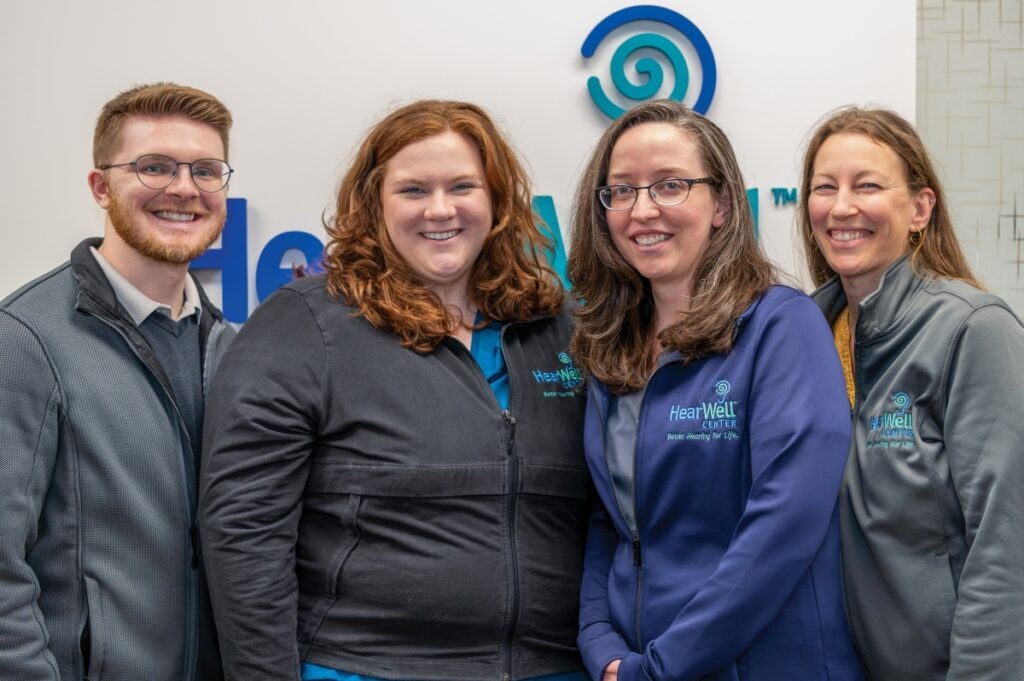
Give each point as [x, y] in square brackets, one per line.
[651, 70]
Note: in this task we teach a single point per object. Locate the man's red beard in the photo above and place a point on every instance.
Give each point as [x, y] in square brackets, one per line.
[177, 252]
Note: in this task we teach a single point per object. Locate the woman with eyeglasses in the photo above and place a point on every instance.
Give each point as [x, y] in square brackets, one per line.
[716, 428]
[932, 505]
[393, 481]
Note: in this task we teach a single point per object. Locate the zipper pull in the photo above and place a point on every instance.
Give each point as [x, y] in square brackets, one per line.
[511, 421]
[193, 536]
[636, 551]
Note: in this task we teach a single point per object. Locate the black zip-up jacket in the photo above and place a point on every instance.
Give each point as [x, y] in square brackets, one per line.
[368, 508]
[99, 576]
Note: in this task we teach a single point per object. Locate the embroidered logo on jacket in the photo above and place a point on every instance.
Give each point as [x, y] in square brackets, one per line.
[893, 429]
[567, 377]
[711, 420]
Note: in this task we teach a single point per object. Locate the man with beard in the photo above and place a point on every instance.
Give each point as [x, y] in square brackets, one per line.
[104, 364]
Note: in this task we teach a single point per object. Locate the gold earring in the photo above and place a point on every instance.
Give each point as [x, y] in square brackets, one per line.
[915, 238]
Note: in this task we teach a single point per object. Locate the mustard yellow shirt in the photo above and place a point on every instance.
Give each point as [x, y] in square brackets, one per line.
[841, 335]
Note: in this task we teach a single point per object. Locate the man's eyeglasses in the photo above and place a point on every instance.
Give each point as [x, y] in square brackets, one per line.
[670, 192]
[157, 171]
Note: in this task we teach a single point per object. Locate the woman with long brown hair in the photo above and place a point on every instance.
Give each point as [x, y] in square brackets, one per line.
[716, 430]
[932, 503]
[393, 483]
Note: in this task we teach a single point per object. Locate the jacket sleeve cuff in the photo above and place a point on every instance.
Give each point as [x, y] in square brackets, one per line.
[632, 669]
[599, 650]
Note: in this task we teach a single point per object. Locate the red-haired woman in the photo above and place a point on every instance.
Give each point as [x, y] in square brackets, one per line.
[393, 483]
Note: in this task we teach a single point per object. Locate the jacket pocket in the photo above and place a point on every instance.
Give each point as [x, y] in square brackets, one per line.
[93, 633]
[406, 481]
[945, 593]
[327, 539]
[556, 481]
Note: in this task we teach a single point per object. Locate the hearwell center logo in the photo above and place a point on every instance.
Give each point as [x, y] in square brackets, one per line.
[893, 429]
[565, 379]
[714, 419]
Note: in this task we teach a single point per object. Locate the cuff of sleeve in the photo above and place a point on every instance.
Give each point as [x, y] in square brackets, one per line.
[631, 668]
[599, 651]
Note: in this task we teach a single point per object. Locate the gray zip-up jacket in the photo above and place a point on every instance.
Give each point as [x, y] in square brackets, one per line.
[932, 506]
[98, 570]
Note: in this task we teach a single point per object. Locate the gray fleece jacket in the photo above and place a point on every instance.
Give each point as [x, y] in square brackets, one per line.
[932, 505]
[99, 575]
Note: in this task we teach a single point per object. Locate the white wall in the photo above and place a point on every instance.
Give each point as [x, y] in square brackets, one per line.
[306, 79]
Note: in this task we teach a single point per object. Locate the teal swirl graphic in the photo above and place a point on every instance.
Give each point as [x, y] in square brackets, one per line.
[901, 401]
[569, 375]
[651, 68]
[650, 73]
[722, 389]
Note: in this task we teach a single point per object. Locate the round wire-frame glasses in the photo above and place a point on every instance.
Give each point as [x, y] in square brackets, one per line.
[157, 171]
[669, 192]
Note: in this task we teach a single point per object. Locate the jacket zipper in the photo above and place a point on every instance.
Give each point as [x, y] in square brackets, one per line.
[506, 414]
[637, 548]
[513, 496]
[637, 552]
[513, 464]
[191, 608]
[634, 529]
[858, 395]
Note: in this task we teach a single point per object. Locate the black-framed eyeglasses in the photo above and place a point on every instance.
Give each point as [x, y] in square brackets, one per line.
[157, 171]
[670, 192]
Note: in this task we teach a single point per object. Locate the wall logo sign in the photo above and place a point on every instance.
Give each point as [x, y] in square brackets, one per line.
[651, 71]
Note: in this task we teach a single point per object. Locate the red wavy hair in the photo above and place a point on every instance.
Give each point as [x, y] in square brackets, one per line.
[509, 281]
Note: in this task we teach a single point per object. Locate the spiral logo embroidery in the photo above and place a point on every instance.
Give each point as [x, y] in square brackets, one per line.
[569, 374]
[651, 70]
[893, 429]
[567, 377]
[722, 389]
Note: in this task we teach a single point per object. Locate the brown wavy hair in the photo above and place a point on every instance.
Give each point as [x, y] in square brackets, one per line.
[938, 251]
[156, 99]
[615, 319]
[509, 281]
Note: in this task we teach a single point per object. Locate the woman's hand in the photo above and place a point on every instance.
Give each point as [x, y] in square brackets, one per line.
[611, 672]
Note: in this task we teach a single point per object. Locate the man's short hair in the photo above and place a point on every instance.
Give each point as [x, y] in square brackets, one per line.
[156, 99]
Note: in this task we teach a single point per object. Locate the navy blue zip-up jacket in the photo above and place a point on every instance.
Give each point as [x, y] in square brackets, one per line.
[732, 568]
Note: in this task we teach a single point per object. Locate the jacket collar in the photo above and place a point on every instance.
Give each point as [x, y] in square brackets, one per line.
[95, 294]
[879, 311]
